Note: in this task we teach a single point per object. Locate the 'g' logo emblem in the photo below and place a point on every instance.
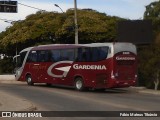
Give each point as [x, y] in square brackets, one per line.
[65, 69]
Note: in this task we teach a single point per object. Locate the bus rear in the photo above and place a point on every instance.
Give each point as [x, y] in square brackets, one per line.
[124, 73]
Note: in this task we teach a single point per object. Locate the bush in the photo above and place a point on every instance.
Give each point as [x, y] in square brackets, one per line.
[6, 65]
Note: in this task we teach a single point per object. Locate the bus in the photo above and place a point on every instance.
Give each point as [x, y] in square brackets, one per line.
[95, 65]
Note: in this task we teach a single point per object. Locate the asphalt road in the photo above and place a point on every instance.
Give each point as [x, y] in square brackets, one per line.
[67, 99]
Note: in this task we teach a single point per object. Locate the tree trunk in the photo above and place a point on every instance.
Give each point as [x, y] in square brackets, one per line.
[156, 82]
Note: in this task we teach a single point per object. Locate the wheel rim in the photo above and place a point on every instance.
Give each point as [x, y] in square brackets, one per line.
[79, 84]
[29, 80]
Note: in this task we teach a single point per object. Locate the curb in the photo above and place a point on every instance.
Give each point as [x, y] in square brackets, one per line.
[144, 90]
[7, 77]
[150, 92]
[135, 89]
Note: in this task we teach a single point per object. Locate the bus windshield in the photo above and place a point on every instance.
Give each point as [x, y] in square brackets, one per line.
[22, 56]
[16, 60]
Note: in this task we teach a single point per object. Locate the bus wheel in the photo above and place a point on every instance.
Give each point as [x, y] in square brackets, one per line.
[48, 84]
[100, 90]
[29, 80]
[79, 85]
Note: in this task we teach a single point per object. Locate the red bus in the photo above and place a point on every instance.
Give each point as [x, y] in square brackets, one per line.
[96, 65]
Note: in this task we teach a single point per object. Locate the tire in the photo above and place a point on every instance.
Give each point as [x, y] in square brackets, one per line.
[100, 90]
[29, 80]
[48, 84]
[79, 84]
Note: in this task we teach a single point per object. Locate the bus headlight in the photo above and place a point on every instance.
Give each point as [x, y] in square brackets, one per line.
[18, 72]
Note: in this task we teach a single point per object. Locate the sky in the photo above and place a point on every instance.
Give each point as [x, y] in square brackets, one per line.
[129, 9]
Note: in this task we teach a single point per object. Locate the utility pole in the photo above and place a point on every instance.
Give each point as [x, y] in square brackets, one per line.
[75, 20]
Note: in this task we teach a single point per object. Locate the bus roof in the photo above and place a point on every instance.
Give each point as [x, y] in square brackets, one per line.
[55, 46]
[65, 46]
[123, 46]
[16, 56]
[26, 49]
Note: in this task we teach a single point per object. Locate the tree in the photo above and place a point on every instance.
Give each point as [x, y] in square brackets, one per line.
[153, 13]
[152, 10]
[149, 64]
[35, 29]
[93, 26]
[51, 27]
[149, 57]
[6, 65]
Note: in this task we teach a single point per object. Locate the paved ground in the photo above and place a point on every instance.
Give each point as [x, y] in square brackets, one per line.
[8, 102]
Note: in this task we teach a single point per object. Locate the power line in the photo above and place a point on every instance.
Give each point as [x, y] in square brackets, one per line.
[5, 20]
[31, 7]
[12, 21]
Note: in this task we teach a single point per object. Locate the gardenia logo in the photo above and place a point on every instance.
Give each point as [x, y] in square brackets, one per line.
[90, 67]
[125, 58]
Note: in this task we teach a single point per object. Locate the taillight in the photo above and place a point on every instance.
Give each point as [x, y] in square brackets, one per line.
[113, 76]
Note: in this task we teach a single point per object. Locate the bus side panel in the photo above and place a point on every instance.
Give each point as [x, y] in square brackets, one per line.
[92, 77]
[30, 69]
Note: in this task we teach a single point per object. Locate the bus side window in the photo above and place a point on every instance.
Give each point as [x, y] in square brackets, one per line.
[67, 54]
[99, 53]
[64, 55]
[79, 55]
[32, 57]
[84, 55]
[109, 50]
[103, 52]
[95, 54]
[55, 55]
[43, 56]
[88, 54]
[71, 54]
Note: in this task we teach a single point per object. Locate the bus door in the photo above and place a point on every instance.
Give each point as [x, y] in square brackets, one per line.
[125, 66]
[32, 65]
[42, 66]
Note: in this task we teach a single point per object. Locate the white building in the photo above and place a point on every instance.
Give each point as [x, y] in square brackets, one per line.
[1, 56]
